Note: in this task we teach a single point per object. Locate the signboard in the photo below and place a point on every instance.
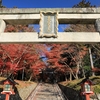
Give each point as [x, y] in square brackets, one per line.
[48, 24]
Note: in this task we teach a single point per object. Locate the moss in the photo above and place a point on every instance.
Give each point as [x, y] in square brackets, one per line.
[97, 88]
[75, 84]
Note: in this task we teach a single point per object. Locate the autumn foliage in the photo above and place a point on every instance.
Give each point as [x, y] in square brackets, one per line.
[16, 57]
[66, 58]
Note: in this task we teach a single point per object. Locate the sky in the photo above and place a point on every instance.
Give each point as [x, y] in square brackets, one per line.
[45, 3]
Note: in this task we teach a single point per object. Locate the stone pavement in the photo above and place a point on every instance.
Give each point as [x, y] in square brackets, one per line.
[48, 92]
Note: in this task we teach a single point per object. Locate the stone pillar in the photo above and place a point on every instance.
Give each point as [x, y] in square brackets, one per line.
[97, 24]
[2, 25]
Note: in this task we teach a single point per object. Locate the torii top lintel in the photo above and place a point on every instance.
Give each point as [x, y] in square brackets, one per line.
[90, 10]
[49, 19]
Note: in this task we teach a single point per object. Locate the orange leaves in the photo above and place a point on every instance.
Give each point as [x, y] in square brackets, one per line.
[96, 69]
[12, 51]
[83, 52]
[51, 55]
[37, 67]
[18, 28]
[10, 28]
[11, 66]
[1, 62]
[19, 56]
[32, 57]
[68, 55]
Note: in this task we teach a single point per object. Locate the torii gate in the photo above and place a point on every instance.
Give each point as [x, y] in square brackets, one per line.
[49, 19]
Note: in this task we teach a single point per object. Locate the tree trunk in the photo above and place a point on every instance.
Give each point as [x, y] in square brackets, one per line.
[23, 75]
[77, 71]
[70, 76]
[83, 72]
[30, 77]
[65, 77]
[91, 60]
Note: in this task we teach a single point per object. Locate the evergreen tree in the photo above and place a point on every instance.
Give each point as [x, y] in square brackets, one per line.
[0, 3]
[83, 4]
[1, 6]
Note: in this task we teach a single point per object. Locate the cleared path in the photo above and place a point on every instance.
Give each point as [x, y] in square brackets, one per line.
[47, 92]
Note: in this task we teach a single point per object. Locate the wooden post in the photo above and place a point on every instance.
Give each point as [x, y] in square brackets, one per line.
[7, 96]
[87, 96]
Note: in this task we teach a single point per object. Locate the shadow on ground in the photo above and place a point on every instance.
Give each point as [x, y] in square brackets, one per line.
[71, 94]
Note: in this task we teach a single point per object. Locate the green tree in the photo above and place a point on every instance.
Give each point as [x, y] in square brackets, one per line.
[1, 6]
[0, 3]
